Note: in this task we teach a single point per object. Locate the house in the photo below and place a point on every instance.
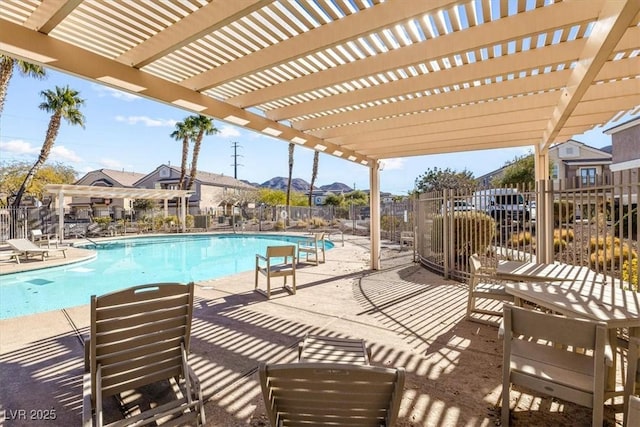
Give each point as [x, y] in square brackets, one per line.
[212, 193]
[625, 141]
[573, 164]
[85, 207]
[578, 164]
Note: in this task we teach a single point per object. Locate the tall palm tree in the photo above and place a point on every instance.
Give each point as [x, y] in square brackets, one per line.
[314, 174]
[7, 65]
[184, 132]
[202, 125]
[292, 146]
[63, 103]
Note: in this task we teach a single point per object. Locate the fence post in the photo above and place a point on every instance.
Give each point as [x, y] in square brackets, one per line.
[447, 234]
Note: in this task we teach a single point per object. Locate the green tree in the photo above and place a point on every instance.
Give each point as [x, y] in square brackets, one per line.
[271, 197]
[442, 179]
[314, 174]
[63, 103]
[519, 171]
[333, 200]
[142, 205]
[185, 132]
[202, 126]
[356, 197]
[13, 174]
[7, 64]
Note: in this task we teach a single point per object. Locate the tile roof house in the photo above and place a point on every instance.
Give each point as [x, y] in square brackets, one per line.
[100, 207]
[213, 193]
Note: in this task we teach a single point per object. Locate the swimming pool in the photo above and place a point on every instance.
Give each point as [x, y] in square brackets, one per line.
[128, 262]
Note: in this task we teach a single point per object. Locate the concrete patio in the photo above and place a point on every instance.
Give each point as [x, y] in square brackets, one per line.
[409, 316]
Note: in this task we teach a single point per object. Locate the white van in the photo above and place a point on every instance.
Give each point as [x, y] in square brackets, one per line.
[502, 204]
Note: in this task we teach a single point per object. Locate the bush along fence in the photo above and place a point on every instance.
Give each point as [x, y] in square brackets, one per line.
[593, 225]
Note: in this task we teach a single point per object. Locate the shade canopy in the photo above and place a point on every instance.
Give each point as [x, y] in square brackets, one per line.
[362, 80]
[69, 190]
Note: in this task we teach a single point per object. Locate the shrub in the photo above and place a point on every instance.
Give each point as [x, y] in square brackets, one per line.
[103, 221]
[564, 234]
[387, 222]
[630, 273]
[559, 244]
[603, 242]
[190, 220]
[562, 212]
[522, 238]
[476, 231]
[317, 222]
[279, 226]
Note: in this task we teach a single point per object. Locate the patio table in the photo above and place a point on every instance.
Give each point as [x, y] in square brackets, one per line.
[530, 271]
[615, 307]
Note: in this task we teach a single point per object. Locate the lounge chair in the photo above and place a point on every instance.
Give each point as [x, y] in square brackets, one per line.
[140, 336]
[407, 238]
[314, 246]
[322, 349]
[28, 248]
[336, 394]
[276, 264]
[540, 353]
[632, 383]
[41, 239]
[484, 285]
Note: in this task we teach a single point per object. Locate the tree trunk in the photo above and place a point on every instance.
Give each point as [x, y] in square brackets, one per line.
[183, 165]
[194, 160]
[314, 174]
[291, 148]
[6, 71]
[52, 133]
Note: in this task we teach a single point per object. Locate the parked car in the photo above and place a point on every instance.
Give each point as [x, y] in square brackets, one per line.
[503, 204]
[458, 206]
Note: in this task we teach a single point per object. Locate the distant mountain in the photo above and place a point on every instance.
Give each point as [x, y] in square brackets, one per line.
[337, 187]
[280, 183]
[302, 186]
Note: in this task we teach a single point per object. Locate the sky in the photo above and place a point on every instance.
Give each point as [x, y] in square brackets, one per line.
[132, 133]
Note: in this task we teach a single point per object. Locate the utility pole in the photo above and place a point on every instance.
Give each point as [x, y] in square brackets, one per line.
[235, 155]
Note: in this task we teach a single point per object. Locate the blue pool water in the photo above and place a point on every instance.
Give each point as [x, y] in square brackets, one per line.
[128, 262]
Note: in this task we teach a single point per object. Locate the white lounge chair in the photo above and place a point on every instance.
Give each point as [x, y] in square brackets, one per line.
[41, 239]
[314, 246]
[331, 394]
[483, 285]
[557, 370]
[28, 248]
[279, 261]
[140, 336]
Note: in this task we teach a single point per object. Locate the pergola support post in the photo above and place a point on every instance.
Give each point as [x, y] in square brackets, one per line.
[374, 208]
[544, 196]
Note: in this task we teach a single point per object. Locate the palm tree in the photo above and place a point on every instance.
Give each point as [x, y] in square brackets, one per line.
[291, 147]
[184, 132]
[63, 103]
[314, 174]
[202, 125]
[7, 64]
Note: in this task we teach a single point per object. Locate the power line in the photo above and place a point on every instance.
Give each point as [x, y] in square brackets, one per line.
[235, 155]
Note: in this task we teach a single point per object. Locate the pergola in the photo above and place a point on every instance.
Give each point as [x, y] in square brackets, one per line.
[362, 80]
[60, 191]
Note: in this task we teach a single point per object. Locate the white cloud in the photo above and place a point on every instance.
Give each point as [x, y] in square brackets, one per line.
[18, 146]
[58, 152]
[229, 132]
[112, 164]
[146, 121]
[62, 153]
[113, 93]
[393, 164]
